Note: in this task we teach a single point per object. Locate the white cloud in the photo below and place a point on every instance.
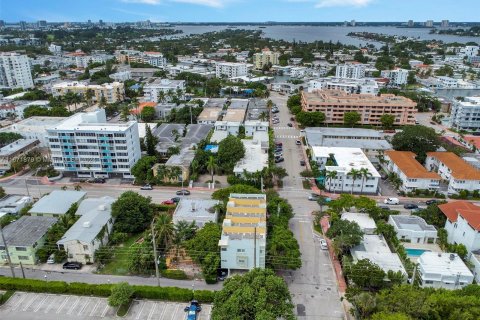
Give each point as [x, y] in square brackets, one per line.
[208, 3]
[152, 2]
[342, 3]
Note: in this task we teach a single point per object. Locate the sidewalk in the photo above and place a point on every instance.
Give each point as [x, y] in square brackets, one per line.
[342, 285]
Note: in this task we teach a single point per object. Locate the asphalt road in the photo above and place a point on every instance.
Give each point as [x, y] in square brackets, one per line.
[313, 287]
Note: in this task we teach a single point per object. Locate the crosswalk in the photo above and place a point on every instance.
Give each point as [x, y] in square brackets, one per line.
[284, 128]
[286, 137]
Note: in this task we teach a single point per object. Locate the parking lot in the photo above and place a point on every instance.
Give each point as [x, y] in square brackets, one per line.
[54, 306]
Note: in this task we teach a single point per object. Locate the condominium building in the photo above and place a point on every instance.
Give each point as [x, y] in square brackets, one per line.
[350, 71]
[398, 77]
[460, 174]
[155, 59]
[86, 145]
[15, 71]
[412, 174]
[264, 58]
[363, 86]
[335, 103]
[82, 60]
[230, 69]
[111, 92]
[465, 115]
[429, 24]
[161, 90]
[243, 241]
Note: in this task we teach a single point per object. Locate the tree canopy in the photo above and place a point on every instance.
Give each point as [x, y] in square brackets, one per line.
[230, 151]
[351, 118]
[132, 212]
[417, 139]
[310, 119]
[387, 120]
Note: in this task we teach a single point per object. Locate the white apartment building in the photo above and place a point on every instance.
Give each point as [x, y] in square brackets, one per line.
[362, 86]
[465, 115]
[254, 160]
[121, 76]
[53, 48]
[413, 175]
[86, 145]
[15, 71]
[413, 229]
[223, 129]
[111, 92]
[469, 51]
[298, 72]
[243, 241]
[398, 77]
[342, 161]
[90, 232]
[460, 174]
[253, 126]
[448, 82]
[155, 59]
[443, 270]
[230, 69]
[264, 58]
[152, 90]
[82, 61]
[350, 71]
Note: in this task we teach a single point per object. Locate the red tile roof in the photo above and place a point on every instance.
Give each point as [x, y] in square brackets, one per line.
[467, 210]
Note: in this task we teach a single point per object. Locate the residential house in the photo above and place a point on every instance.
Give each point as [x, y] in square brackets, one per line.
[366, 224]
[56, 203]
[199, 211]
[443, 270]
[413, 229]
[254, 160]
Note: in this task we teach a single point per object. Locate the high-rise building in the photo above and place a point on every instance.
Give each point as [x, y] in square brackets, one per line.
[429, 24]
[15, 71]
[464, 114]
[2, 23]
[42, 24]
[398, 77]
[350, 71]
[244, 232]
[23, 25]
[353, 23]
[410, 23]
[445, 23]
[86, 145]
[264, 58]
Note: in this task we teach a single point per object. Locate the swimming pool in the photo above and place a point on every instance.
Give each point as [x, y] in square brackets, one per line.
[415, 252]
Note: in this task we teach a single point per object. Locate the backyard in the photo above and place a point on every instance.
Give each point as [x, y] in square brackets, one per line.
[118, 264]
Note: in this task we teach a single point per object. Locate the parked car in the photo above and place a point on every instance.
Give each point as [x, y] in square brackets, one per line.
[323, 244]
[391, 201]
[384, 208]
[289, 124]
[279, 159]
[96, 180]
[146, 187]
[192, 310]
[168, 202]
[410, 206]
[278, 154]
[298, 142]
[278, 143]
[292, 119]
[183, 192]
[176, 199]
[72, 265]
[431, 201]
[51, 259]
[313, 197]
[302, 163]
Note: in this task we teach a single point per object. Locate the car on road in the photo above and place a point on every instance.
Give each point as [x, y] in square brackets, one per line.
[384, 208]
[168, 202]
[96, 180]
[146, 187]
[323, 244]
[278, 154]
[410, 206]
[279, 159]
[289, 124]
[302, 163]
[192, 310]
[431, 201]
[298, 142]
[277, 143]
[391, 201]
[175, 199]
[183, 192]
[72, 265]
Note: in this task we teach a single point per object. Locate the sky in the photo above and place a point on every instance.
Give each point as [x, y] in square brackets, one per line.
[239, 10]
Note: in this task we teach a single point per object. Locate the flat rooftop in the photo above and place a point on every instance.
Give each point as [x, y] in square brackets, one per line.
[413, 223]
[192, 209]
[406, 162]
[362, 219]
[235, 115]
[27, 230]
[255, 158]
[209, 114]
[238, 103]
[57, 202]
[16, 146]
[340, 97]
[444, 263]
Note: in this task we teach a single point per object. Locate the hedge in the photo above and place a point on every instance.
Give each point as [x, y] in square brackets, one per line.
[4, 297]
[104, 290]
[174, 274]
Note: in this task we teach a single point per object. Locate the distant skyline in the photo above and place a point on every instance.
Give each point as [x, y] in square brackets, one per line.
[239, 10]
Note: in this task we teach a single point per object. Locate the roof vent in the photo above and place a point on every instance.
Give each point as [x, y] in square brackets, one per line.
[193, 207]
[102, 207]
[452, 256]
[87, 224]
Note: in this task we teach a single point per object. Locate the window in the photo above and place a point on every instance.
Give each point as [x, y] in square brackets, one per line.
[2, 247]
[428, 281]
[20, 248]
[85, 247]
[224, 249]
[22, 257]
[240, 250]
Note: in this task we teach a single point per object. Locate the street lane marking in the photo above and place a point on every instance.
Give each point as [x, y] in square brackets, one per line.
[104, 312]
[19, 301]
[30, 302]
[84, 306]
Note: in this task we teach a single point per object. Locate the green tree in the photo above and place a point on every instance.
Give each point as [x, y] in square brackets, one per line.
[150, 141]
[230, 151]
[367, 275]
[121, 294]
[405, 299]
[310, 119]
[224, 194]
[9, 137]
[148, 114]
[140, 257]
[331, 175]
[132, 212]
[417, 139]
[345, 234]
[365, 303]
[2, 192]
[164, 230]
[142, 170]
[354, 174]
[204, 243]
[283, 249]
[351, 118]
[391, 316]
[387, 120]
[212, 166]
[258, 294]
[364, 175]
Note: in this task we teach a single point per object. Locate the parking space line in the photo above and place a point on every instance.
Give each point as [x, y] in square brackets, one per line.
[209, 313]
[20, 301]
[30, 302]
[141, 310]
[63, 304]
[163, 311]
[175, 312]
[40, 304]
[50, 305]
[95, 307]
[150, 314]
[73, 306]
[104, 312]
[84, 306]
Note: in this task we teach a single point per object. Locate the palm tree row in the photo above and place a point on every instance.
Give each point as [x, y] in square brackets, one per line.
[355, 174]
[169, 173]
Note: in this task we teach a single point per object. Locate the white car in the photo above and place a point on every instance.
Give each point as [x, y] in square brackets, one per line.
[391, 201]
[323, 244]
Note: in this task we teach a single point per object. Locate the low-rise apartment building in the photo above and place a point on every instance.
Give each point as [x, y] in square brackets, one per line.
[254, 160]
[230, 69]
[398, 77]
[443, 270]
[244, 232]
[266, 57]
[199, 211]
[413, 229]
[465, 115]
[361, 86]
[110, 92]
[460, 174]
[412, 174]
[335, 103]
[161, 90]
[86, 145]
[15, 150]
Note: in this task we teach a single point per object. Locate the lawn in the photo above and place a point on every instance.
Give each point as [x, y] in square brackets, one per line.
[119, 263]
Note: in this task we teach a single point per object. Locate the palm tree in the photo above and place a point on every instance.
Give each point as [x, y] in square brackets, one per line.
[183, 231]
[161, 97]
[212, 165]
[331, 175]
[165, 230]
[77, 187]
[162, 172]
[364, 174]
[88, 96]
[64, 188]
[175, 173]
[263, 116]
[355, 174]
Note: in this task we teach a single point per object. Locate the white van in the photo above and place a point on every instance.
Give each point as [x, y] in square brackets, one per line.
[51, 259]
[391, 201]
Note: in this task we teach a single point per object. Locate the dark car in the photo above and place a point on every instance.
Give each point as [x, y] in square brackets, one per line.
[193, 309]
[183, 192]
[292, 119]
[410, 206]
[279, 159]
[279, 144]
[96, 180]
[302, 163]
[384, 208]
[431, 201]
[72, 265]
[289, 124]
[175, 199]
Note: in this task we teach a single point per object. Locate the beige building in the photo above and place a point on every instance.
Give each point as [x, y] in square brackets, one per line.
[235, 115]
[112, 92]
[335, 103]
[209, 115]
[265, 57]
[14, 150]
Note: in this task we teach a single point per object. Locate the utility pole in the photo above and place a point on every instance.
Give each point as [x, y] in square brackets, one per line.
[6, 251]
[23, 272]
[26, 186]
[254, 247]
[414, 274]
[155, 256]
[457, 281]
[261, 183]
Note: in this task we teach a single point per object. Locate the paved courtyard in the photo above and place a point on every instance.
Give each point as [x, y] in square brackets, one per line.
[40, 306]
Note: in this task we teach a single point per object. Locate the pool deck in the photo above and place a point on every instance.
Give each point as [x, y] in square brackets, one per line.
[423, 246]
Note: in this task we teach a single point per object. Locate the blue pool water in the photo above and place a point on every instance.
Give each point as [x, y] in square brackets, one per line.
[415, 252]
